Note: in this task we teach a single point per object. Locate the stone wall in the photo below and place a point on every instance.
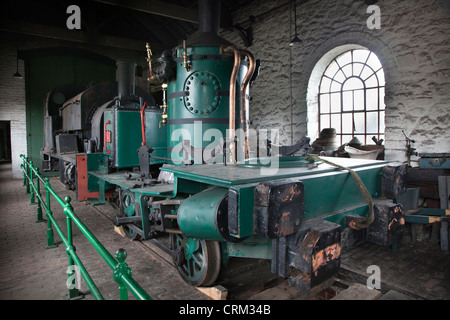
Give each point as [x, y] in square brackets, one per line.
[413, 45]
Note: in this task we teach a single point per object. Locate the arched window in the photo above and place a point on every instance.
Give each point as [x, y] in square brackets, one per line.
[351, 97]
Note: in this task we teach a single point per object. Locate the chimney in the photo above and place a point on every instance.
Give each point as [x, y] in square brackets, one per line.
[125, 77]
[209, 23]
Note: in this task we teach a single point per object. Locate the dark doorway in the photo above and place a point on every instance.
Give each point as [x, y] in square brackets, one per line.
[5, 141]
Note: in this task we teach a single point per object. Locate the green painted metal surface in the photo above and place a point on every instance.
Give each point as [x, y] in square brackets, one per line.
[155, 136]
[197, 214]
[231, 175]
[200, 94]
[126, 138]
[253, 247]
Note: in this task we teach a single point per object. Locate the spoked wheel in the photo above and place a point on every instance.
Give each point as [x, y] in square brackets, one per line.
[127, 208]
[197, 261]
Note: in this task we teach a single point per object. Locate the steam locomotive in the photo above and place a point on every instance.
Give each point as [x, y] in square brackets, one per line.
[187, 168]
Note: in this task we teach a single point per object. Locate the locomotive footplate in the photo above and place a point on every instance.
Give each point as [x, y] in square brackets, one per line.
[310, 256]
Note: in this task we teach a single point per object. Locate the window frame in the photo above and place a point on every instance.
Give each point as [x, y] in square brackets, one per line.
[326, 110]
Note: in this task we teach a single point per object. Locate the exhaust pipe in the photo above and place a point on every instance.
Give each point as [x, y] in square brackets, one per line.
[125, 75]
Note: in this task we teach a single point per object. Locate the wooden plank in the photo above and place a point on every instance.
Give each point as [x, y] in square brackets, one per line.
[216, 293]
[358, 292]
[395, 295]
[120, 231]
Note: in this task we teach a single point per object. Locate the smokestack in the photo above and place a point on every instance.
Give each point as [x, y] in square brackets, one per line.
[209, 16]
[125, 77]
[208, 25]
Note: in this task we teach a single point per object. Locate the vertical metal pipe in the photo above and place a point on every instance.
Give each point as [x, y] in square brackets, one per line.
[50, 238]
[32, 183]
[126, 77]
[26, 172]
[209, 16]
[23, 168]
[73, 291]
[38, 193]
[232, 103]
[244, 108]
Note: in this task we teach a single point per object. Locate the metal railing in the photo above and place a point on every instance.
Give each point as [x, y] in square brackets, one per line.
[121, 272]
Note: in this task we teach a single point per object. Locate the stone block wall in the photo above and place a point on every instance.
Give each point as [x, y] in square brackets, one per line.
[413, 45]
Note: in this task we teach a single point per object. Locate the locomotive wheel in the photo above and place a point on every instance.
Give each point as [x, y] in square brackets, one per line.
[127, 207]
[197, 261]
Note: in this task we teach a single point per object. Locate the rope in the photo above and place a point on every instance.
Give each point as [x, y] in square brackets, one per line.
[357, 223]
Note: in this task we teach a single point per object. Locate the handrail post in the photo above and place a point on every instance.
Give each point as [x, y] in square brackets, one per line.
[23, 168]
[38, 191]
[72, 282]
[26, 168]
[120, 270]
[32, 200]
[50, 238]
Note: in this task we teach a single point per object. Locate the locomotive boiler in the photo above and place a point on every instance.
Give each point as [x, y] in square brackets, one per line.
[210, 194]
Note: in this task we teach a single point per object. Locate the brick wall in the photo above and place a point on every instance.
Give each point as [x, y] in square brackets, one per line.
[12, 99]
[413, 44]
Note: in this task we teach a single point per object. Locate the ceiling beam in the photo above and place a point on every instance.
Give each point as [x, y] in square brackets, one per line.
[72, 35]
[158, 8]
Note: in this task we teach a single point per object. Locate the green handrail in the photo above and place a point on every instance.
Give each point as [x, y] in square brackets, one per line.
[122, 273]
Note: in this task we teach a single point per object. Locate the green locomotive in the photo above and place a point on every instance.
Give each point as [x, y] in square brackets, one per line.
[211, 195]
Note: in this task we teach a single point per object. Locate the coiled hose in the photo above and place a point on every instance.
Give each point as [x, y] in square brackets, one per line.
[357, 223]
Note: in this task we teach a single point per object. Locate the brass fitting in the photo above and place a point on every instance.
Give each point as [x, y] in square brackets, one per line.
[164, 106]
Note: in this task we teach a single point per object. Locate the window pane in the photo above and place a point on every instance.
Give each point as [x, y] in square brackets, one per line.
[372, 99]
[347, 70]
[325, 84]
[359, 122]
[352, 84]
[381, 121]
[335, 86]
[335, 102]
[358, 98]
[346, 138]
[361, 138]
[382, 105]
[357, 68]
[360, 55]
[347, 101]
[340, 77]
[366, 73]
[372, 122]
[336, 122]
[373, 61]
[372, 81]
[347, 123]
[344, 58]
[324, 103]
[331, 70]
[324, 122]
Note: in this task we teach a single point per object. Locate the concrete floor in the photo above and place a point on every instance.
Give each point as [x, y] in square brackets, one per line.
[30, 271]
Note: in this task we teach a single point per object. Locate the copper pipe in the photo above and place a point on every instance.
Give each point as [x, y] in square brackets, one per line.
[232, 103]
[244, 108]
